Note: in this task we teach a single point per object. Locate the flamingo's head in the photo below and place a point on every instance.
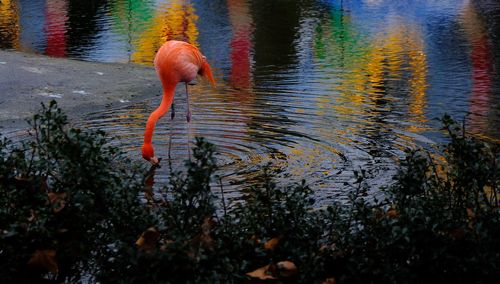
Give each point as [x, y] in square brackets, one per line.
[148, 153]
[206, 72]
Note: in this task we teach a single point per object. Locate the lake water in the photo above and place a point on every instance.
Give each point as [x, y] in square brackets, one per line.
[318, 88]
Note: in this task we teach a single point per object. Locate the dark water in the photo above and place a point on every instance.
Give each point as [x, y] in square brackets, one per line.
[317, 87]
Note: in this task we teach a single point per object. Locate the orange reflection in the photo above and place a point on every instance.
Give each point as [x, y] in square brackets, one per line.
[55, 27]
[9, 24]
[175, 20]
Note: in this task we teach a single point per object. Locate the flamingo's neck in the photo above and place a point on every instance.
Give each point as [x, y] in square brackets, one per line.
[166, 102]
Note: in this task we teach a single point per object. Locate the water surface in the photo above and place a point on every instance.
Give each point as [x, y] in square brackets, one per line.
[319, 88]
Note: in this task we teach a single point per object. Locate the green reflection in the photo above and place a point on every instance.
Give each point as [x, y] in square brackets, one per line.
[173, 20]
[373, 71]
[131, 17]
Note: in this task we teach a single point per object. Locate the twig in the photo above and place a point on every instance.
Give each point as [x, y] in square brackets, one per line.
[222, 196]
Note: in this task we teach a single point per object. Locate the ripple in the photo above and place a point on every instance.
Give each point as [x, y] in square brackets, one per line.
[317, 88]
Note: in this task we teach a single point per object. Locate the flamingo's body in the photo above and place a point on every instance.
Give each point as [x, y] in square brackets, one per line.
[175, 61]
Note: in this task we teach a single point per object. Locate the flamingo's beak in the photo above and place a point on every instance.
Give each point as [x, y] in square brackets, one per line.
[155, 161]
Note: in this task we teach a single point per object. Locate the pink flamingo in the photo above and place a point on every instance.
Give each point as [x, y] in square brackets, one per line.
[176, 61]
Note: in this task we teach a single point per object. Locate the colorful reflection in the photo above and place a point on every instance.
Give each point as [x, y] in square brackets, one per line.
[308, 83]
[55, 27]
[373, 67]
[9, 24]
[417, 60]
[174, 20]
[482, 68]
[241, 44]
[131, 17]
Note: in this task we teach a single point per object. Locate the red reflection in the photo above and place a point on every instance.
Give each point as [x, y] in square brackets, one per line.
[481, 60]
[241, 44]
[55, 27]
[481, 76]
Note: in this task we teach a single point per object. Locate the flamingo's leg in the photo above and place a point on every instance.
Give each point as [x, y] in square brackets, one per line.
[188, 114]
[172, 115]
[188, 119]
[170, 143]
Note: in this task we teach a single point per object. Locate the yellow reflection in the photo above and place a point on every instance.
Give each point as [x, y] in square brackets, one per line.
[9, 24]
[175, 20]
[418, 83]
[339, 46]
[394, 54]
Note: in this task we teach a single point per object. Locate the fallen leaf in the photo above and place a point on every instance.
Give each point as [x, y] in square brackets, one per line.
[57, 200]
[23, 182]
[206, 229]
[330, 280]
[32, 217]
[272, 243]
[255, 239]
[286, 269]
[207, 226]
[392, 213]
[263, 273]
[147, 240]
[204, 239]
[45, 260]
[379, 214]
[470, 213]
[457, 233]
[166, 244]
[148, 186]
[44, 186]
[472, 218]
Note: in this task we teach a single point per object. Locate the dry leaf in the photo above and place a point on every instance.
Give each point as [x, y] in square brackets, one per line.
[272, 243]
[147, 240]
[44, 186]
[392, 213]
[255, 239]
[148, 187]
[204, 239]
[166, 244]
[57, 200]
[32, 217]
[472, 218]
[457, 233]
[263, 273]
[330, 280]
[23, 182]
[470, 213]
[45, 260]
[379, 214]
[287, 269]
[206, 228]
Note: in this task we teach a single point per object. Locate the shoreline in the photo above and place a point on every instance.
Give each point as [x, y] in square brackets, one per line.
[79, 87]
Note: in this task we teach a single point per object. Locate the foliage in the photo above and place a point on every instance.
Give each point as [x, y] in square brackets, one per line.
[65, 193]
[71, 209]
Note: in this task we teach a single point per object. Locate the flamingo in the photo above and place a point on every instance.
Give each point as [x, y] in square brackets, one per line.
[175, 61]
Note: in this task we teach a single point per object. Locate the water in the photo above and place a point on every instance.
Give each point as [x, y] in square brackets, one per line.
[318, 88]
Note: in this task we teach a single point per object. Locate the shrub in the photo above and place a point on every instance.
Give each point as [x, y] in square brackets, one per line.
[66, 202]
[72, 209]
